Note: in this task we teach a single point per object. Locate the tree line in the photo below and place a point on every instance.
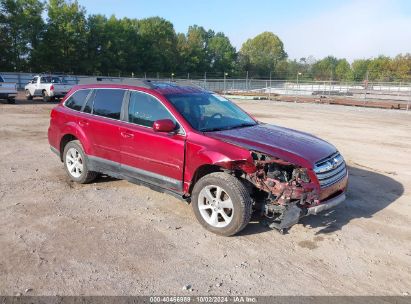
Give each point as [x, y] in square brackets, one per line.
[68, 40]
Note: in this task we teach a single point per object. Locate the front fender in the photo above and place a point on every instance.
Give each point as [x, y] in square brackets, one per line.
[207, 151]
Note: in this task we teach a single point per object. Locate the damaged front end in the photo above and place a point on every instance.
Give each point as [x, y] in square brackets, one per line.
[283, 191]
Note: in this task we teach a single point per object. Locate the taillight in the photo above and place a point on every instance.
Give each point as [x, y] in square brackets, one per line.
[52, 88]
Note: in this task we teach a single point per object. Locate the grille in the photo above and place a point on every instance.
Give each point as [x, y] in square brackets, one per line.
[330, 170]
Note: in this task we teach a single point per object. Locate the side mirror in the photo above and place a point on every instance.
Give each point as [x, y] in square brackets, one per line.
[164, 125]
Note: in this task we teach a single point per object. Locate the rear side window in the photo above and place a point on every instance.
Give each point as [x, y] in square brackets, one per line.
[1, 79]
[107, 103]
[76, 101]
[144, 110]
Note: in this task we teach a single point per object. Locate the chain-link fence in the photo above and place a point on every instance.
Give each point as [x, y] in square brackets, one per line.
[398, 92]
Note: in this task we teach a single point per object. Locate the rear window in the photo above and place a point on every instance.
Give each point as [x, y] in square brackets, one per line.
[49, 79]
[107, 103]
[76, 101]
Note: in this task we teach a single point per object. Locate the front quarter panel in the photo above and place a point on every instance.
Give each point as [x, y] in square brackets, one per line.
[202, 150]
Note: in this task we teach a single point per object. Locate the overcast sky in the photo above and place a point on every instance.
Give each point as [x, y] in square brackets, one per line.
[351, 29]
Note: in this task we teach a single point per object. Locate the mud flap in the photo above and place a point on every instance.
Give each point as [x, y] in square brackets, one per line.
[290, 218]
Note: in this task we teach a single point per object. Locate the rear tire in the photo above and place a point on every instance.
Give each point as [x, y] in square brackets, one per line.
[75, 163]
[221, 203]
[46, 97]
[28, 95]
[11, 100]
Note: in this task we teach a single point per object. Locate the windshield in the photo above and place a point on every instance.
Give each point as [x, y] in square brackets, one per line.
[210, 112]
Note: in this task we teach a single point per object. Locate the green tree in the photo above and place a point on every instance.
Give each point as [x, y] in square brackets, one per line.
[222, 54]
[360, 69]
[20, 24]
[401, 67]
[159, 43]
[262, 53]
[343, 70]
[380, 69]
[193, 50]
[324, 69]
[64, 44]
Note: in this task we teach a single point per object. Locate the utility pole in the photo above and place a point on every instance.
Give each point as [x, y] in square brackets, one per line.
[269, 90]
[298, 91]
[366, 86]
[225, 76]
[205, 80]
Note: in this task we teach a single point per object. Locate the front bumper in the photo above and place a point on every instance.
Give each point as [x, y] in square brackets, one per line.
[331, 203]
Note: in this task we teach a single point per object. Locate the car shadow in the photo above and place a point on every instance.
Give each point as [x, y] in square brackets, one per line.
[35, 101]
[103, 178]
[368, 193]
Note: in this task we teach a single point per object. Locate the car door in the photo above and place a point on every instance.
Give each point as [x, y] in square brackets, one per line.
[33, 85]
[102, 127]
[154, 157]
[41, 85]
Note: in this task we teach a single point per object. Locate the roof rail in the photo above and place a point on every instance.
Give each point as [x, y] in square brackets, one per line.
[111, 80]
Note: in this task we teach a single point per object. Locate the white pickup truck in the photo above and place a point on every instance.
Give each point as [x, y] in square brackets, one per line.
[49, 87]
[8, 90]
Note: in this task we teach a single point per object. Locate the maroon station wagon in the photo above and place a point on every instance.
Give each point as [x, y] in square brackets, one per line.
[200, 147]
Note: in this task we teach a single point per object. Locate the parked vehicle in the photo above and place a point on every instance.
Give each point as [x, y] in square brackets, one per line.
[48, 87]
[200, 147]
[8, 90]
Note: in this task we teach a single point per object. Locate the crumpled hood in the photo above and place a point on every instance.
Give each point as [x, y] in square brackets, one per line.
[288, 144]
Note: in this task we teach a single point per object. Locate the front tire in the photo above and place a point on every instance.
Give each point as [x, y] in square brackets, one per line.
[75, 163]
[28, 95]
[221, 203]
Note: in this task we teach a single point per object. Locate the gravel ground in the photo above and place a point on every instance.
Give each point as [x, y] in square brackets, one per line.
[115, 238]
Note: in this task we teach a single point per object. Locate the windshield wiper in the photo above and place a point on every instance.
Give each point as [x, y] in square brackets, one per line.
[228, 128]
[241, 126]
[212, 129]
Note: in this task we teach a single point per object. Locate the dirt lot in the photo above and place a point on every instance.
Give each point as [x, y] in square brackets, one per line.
[116, 238]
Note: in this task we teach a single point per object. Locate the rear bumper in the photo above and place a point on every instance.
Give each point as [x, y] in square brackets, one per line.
[328, 204]
[8, 95]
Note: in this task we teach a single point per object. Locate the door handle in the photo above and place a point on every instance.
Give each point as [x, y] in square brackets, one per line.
[83, 123]
[127, 134]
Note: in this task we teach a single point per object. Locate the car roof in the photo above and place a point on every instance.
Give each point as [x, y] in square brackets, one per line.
[163, 88]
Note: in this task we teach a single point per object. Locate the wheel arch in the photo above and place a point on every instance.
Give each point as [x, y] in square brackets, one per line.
[70, 132]
[202, 171]
[64, 141]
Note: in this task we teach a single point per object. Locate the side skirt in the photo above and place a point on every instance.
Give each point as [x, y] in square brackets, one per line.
[151, 180]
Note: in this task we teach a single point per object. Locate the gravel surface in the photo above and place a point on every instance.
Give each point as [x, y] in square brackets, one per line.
[116, 238]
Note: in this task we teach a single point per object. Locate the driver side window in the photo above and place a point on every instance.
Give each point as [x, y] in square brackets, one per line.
[144, 109]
